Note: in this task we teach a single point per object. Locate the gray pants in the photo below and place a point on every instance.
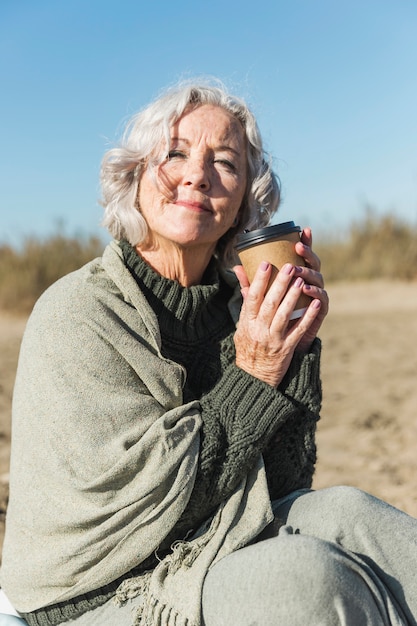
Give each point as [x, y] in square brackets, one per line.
[342, 557]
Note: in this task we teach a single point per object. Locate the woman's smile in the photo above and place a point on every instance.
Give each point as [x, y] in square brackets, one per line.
[194, 205]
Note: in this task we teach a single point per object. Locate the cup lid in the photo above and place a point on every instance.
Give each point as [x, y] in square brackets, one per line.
[253, 237]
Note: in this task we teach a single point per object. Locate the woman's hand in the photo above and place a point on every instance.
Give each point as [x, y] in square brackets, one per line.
[266, 338]
[313, 287]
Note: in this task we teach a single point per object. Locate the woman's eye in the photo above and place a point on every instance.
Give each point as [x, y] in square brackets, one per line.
[227, 164]
[172, 154]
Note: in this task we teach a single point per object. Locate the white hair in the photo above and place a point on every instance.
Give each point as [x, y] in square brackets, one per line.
[145, 143]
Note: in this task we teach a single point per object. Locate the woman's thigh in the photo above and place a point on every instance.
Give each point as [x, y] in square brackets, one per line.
[295, 580]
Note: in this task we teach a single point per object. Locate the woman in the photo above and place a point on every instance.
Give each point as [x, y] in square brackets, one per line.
[163, 456]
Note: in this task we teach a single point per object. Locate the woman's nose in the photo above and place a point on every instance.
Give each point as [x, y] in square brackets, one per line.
[196, 174]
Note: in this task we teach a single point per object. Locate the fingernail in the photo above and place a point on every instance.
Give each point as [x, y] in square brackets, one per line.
[298, 269]
[316, 304]
[287, 268]
[264, 266]
[299, 282]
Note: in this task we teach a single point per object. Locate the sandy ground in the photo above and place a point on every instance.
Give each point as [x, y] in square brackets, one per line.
[367, 435]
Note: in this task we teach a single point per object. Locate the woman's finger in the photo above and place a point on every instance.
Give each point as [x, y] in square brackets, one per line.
[311, 277]
[281, 298]
[304, 249]
[241, 275]
[310, 258]
[263, 300]
[306, 236]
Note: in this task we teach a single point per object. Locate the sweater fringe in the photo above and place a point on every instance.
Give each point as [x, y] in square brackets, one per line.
[152, 611]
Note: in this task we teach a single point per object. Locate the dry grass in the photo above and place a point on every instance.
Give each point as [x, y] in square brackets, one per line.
[376, 247]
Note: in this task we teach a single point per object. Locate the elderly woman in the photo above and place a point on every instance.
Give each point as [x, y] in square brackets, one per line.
[165, 412]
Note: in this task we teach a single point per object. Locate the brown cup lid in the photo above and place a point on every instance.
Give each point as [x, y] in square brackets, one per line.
[253, 237]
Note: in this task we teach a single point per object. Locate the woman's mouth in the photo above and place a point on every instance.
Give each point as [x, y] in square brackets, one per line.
[193, 205]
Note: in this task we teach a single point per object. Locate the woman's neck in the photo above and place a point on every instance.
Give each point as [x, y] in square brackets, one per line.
[185, 265]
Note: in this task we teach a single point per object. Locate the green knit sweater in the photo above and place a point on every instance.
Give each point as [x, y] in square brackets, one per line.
[241, 415]
[197, 331]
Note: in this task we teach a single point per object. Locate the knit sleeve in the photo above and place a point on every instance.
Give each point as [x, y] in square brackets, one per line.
[290, 454]
[242, 417]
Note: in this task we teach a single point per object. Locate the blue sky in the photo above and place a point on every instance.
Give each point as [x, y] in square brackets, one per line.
[333, 84]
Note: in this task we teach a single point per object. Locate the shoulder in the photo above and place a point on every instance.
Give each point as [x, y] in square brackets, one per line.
[100, 293]
[74, 292]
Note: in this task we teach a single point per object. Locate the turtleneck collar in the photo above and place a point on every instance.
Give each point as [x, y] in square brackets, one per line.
[196, 310]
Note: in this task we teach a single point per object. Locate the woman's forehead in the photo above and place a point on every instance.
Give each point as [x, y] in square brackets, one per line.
[211, 122]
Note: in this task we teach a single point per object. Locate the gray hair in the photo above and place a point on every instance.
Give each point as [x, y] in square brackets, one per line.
[145, 143]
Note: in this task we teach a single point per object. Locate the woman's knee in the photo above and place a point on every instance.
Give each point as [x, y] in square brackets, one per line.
[347, 498]
[288, 578]
[328, 513]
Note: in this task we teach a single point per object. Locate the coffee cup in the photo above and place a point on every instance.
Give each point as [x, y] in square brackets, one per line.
[275, 244]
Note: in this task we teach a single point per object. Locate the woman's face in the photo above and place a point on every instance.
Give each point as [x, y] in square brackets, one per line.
[194, 196]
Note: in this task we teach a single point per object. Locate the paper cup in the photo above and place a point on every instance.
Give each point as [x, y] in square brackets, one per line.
[275, 244]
